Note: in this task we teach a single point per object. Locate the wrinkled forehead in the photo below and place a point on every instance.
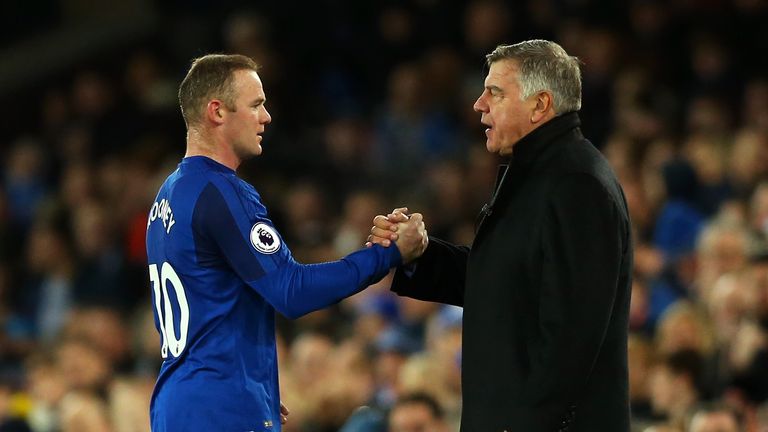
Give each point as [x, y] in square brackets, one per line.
[502, 71]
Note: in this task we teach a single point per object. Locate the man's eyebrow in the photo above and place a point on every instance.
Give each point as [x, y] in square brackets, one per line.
[258, 101]
[493, 88]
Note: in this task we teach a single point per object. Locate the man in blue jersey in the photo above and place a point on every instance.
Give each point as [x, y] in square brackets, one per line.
[219, 269]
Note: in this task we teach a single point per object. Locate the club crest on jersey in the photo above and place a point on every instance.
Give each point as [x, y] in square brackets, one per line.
[264, 238]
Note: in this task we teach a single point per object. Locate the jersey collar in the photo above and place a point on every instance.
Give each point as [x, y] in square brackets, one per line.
[207, 163]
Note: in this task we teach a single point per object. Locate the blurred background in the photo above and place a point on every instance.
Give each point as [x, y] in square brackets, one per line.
[372, 109]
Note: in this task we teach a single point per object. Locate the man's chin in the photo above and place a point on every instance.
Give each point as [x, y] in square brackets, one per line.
[246, 154]
[500, 149]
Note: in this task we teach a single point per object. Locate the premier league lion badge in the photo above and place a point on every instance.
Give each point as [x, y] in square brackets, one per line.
[264, 238]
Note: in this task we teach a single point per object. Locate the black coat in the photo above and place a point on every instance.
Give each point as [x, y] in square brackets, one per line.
[545, 289]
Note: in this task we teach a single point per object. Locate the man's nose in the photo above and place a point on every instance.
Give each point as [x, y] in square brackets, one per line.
[479, 105]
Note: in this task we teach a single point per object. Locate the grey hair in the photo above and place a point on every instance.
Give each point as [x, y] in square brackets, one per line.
[544, 65]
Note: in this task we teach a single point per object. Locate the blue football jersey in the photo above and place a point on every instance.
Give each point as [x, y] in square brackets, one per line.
[218, 270]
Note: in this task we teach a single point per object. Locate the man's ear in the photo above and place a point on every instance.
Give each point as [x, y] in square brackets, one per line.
[544, 108]
[215, 112]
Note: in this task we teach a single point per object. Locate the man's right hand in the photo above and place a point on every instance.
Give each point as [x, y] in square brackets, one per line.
[407, 231]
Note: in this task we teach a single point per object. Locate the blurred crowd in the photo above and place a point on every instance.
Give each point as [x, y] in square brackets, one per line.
[372, 109]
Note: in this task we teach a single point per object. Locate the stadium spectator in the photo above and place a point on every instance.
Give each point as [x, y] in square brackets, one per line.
[417, 412]
[674, 386]
[715, 419]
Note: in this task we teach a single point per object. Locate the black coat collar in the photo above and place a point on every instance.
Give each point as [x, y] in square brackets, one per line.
[530, 147]
[526, 152]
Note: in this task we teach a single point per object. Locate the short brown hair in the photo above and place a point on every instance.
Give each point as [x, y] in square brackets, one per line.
[209, 77]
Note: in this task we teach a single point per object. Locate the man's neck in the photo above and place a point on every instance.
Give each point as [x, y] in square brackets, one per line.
[208, 145]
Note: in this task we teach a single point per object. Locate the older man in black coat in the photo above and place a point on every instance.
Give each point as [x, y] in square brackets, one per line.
[545, 285]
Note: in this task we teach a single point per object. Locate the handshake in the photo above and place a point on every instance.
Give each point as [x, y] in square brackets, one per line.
[406, 231]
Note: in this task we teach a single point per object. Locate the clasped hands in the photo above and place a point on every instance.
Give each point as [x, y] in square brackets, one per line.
[407, 231]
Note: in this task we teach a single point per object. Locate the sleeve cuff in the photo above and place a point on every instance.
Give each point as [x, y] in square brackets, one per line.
[395, 259]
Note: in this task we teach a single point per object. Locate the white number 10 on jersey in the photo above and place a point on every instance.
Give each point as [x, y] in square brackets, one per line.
[165, 310]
